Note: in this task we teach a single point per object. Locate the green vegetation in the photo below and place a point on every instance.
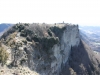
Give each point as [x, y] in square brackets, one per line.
[3, 55]
[46, 36]
[36, 38]
[49, 42]
[26, 24]
[24, 41]
[10, 40]
[26, 32]
[57, 30]
[49, 32]
[22, 61]
[19, 27]
[28, 38]
[46, 42]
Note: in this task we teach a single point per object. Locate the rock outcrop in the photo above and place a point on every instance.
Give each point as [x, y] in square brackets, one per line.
[48, 49]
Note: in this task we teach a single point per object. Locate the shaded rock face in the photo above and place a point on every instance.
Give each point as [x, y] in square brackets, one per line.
[83, 60]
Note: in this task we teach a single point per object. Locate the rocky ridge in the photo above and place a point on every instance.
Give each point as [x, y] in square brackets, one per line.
[44, 49]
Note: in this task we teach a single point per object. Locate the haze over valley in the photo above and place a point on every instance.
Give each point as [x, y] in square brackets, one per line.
[92, 36]
[49, 37]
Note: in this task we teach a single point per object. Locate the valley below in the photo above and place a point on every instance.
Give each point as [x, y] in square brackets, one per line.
[91, 35]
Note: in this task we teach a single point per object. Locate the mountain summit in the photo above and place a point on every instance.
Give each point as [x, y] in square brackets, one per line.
[46, 49]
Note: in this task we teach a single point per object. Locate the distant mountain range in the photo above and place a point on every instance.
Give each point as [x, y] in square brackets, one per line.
[3, 27]
[91, 35]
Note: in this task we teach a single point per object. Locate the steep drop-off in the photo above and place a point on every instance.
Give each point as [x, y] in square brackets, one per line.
[48, 50]
[82, 61]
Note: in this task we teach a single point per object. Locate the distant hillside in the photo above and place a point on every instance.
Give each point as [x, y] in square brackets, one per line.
[3, 27]
[91, 35]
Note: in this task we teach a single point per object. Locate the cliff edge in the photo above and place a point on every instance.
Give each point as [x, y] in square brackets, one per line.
[44, 49]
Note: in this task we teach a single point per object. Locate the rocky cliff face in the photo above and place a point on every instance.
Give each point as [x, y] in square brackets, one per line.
[42, 48]
[69, 39]
[61, 52]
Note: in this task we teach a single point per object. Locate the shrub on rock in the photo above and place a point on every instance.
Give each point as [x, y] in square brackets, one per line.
[3, 55]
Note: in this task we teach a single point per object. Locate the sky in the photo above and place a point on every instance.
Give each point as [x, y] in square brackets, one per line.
[82, 12]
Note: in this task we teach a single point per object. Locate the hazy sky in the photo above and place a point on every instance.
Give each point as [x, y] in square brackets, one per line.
[82, 12]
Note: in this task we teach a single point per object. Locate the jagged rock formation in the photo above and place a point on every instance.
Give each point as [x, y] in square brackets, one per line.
[48, 50]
